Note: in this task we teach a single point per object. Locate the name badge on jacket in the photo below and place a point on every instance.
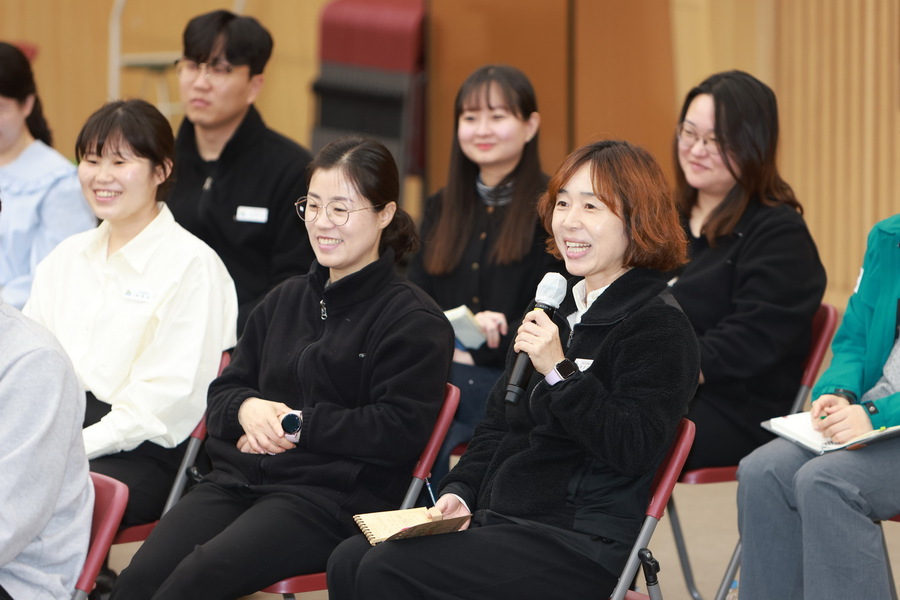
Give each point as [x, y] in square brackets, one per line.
[252, 214]
[138, 295]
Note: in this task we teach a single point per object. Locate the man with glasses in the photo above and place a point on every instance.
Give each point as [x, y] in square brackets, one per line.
[235, 179]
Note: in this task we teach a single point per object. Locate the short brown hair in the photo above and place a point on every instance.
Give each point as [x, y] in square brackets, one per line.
[631, 183]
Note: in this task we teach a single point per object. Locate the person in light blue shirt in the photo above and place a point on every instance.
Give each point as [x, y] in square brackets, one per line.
[40, 189]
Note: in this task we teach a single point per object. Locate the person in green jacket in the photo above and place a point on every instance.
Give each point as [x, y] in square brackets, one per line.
[809, 523]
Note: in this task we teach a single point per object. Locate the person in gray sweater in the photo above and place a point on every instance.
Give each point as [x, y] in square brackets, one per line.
[45, 489]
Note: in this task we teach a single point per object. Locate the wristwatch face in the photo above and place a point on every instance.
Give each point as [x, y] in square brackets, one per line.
[566, 368]
[290, 423]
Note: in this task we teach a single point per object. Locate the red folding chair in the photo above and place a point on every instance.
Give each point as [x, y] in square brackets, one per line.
[825, 324]
[139, 533]
[316, 581]
[663, 484]
[110, 498]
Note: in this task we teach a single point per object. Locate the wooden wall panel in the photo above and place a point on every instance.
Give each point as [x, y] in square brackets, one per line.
[624, 74]
[466, 34]
[71, 67]
[838, 65]
[71, 64]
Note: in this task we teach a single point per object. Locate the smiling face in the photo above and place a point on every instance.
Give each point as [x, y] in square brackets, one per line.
[346, 248]
[704, 169]
[492, 135]
[120, 187]
[590, 236]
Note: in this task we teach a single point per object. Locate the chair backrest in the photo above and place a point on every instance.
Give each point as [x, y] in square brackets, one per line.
[438, 433]
[110, 498]
[195, 441]
[668, 471]
[824, 325]
[663, 483]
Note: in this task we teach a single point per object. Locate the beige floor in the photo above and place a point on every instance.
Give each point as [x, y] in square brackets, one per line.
[708, 516]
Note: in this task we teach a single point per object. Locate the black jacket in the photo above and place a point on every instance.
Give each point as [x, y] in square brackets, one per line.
[265, 173]
[751, 301]
[581, 455]
[366, 360]
[478, 283]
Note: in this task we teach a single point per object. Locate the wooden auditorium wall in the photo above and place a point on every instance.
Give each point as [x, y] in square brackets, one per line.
[835, 67]
[72, 39]
[838, 71]
[600, 68]
[463, 35]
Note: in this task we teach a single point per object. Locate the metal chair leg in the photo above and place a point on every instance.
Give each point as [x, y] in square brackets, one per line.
[678, 534]
[730, 572]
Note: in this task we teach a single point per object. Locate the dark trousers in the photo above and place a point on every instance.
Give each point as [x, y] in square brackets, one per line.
[149, 470]
[496, 561]
[4, 595]
[475, 384]
[723, 437]
[226, 543]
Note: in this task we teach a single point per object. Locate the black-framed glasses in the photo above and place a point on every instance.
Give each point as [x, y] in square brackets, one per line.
[688, 136]
[214, 71]
[308, 210]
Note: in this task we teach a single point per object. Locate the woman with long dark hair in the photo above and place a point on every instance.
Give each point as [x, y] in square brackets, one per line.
[482, 244]
[43, 201]
[754, 280]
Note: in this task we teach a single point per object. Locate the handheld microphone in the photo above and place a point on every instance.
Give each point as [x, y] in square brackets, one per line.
[550, 293]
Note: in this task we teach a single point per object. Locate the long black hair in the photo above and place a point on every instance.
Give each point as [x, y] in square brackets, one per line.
[17, 82]
[448, 239]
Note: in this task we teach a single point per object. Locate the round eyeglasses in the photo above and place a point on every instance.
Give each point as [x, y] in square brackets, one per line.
[688, 136]
[214, 72]
[337, 212]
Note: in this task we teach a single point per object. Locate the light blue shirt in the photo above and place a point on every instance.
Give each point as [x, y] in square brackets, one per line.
[42, 205]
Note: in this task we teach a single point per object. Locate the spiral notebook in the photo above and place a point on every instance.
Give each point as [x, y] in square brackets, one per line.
[406, 523]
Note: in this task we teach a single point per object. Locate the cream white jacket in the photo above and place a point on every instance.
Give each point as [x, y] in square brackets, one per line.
[144, 327]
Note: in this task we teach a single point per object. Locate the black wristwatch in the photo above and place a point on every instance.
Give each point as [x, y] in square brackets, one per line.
[292, 423]
[566, 368]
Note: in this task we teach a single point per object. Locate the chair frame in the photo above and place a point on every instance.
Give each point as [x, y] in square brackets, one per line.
[139, 533]
[315, 582]
[663, 484]
[825, 324]
[110, 499]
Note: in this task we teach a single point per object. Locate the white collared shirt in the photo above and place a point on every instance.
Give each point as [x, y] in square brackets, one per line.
[583, 301]
[145, 328]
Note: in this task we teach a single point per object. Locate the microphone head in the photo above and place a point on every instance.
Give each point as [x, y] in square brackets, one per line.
[551, 290]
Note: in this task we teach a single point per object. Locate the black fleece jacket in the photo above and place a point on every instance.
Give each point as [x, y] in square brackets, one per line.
[242, 205]
[366, 360]
[751, 301]
[580, 455]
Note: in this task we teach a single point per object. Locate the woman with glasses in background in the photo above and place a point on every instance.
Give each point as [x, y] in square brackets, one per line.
[754, 280]
[329, 399]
